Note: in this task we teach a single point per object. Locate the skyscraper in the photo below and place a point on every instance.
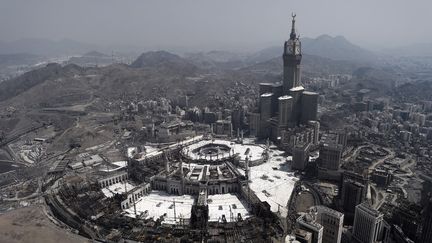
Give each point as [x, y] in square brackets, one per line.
[300, 156]
[332, 221]
[291, 58]
[426, 236]
[330, 156]
[291, 105]
[324, 223]
[367, 224]
[309, 106]
[285, 109]
[354, 191]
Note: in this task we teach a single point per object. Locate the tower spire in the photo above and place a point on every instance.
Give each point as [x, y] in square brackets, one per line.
[293, 34]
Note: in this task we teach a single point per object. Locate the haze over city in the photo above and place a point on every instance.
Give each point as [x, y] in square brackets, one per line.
[208, 25]
[192, 121]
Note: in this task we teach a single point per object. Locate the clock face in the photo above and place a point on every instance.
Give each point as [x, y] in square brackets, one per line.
[297, 50]
[290, 49]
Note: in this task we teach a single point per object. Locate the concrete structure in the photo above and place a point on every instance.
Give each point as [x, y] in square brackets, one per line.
[316, 127]
[285, 110]
[254, 124]
[266, 113]
[330, 156]
[133, 195]
[110, 179]
[223, 127]
[309, 106]
[332, 221]
[325, 224]
[427, 224]
[300, 156]
[354, 191]
[292, 58]
[287, 105]
[308, 223]
[303, 236]
[367, 224]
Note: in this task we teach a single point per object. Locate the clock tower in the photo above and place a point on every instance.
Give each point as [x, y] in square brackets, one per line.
[291, 58]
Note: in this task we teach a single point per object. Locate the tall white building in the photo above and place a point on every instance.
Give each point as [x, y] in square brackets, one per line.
[367, 224]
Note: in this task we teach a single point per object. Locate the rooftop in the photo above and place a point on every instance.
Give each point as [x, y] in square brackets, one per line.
[158, 203]
[267, 95]
[285, 97]
[297, 88]
[310, 93]
[225, 204]
[274, 181]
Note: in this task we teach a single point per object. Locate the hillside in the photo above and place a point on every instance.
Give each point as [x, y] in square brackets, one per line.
[311, 65]
[163, 60]
[336, 48]
[152, 75]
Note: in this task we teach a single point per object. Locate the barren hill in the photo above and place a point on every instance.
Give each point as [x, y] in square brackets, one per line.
[165, 60]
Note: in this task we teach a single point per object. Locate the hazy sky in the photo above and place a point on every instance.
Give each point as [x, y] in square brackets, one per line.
[217, 23]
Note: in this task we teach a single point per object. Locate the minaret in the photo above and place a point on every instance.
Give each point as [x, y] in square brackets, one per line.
[167, 167]
[182, 177]
[291, 58]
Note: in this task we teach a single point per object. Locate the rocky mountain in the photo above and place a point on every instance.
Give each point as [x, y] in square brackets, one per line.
[163, 60]
[218, 59]
[336, 48]
[16, 86]
[153, 74]
[311, 65]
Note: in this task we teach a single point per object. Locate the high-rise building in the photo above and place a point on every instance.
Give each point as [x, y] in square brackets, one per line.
[367, 224]
[316, 126]
[265, 88]
[303, 236]
[324, 223]
[238, 118]
[266, 113]
[285, 109]
[332, 221]
[254, 123]
[308, 223]
[354, 191]
[300, 156]
[309, 105]
[287, 105]
[330, 156]
[296, 93]
[426, 236]
[291, 58]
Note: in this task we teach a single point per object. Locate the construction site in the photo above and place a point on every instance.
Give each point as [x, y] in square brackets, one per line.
[199, 189]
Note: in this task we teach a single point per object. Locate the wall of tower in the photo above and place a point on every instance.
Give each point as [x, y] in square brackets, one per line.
[285, 110]
[309, 107]
[296, 93]
[266, 113]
